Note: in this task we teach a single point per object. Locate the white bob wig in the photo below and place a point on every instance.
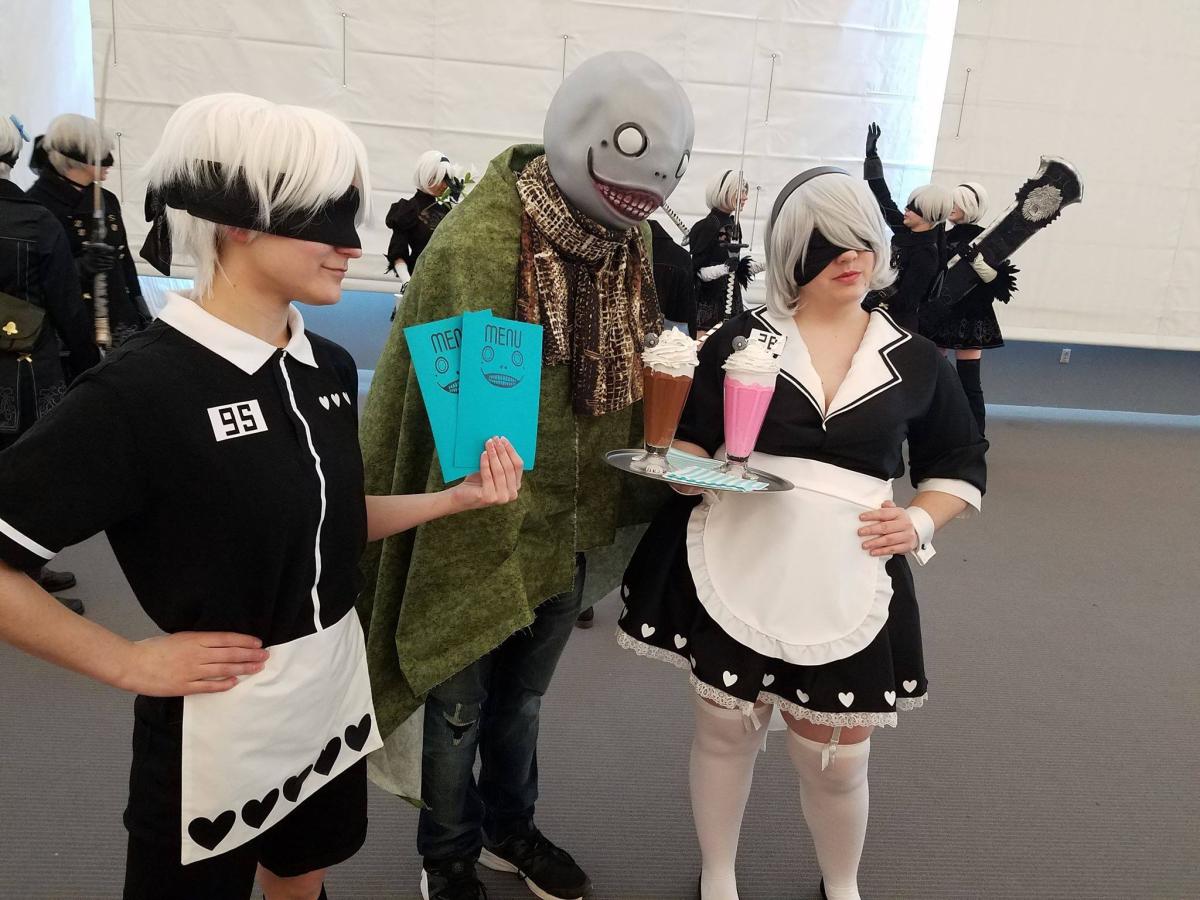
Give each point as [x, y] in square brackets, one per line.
[432, 169]
[972, 199]
[844, 211]
[293, 160]
[11, 141]
[932, 202]
[723, 190]
[72, 135]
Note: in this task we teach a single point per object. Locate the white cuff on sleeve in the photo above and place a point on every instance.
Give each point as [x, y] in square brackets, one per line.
[923, 522]
[963, 490]
[712, 273]
[25, 541]
[985, 272]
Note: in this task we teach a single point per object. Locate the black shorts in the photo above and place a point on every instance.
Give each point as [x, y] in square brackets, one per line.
[327, 828]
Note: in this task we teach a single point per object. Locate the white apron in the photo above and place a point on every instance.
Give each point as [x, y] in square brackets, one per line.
[785, 573]
[253, 753]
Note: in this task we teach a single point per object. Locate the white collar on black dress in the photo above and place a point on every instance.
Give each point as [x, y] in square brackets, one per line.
[244, 350]
[871, 370]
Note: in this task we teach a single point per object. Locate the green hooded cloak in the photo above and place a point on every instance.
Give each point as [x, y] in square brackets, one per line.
[443, 595]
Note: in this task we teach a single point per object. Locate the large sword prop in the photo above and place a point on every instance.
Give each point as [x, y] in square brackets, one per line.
[731, 285]
[99, 229]
[674, 217]
[1038, 203]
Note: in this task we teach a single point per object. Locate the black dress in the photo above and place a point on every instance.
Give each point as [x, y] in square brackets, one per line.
[970, 324]
[673, 279]
[72, 206]
[36, 266]
[770, 598]
[707, 242]
[233, 501]
[919, 257]
[413, 221]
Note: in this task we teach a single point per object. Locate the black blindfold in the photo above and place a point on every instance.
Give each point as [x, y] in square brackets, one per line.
[234, 204]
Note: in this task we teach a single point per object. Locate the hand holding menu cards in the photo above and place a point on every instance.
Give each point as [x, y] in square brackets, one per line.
[480, 377]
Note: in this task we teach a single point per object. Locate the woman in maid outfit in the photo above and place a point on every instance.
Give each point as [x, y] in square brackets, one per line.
[218, 449]
[969, 326]
[803, 599]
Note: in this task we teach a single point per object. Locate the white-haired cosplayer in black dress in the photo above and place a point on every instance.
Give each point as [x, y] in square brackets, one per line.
[772, 598]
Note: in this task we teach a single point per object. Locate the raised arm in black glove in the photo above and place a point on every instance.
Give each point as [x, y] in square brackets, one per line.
[873, 132]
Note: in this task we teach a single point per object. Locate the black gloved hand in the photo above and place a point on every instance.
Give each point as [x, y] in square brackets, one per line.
[976, 252]
[733, 253]
[97, 257]
[873, 132]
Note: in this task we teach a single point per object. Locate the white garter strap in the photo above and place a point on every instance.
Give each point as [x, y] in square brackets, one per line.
[829, 751]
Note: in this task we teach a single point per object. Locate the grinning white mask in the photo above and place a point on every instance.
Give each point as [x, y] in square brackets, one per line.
[618, 137]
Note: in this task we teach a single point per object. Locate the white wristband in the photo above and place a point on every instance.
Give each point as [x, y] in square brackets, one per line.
[923, 523]
[712, 273]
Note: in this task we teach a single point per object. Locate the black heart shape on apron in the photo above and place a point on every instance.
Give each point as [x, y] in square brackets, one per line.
[210, 832]
[291, 787]
[328, 757]
[255, 812]
[356, 735]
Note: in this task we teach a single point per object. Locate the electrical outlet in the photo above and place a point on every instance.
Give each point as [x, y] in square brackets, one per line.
[1065, 356]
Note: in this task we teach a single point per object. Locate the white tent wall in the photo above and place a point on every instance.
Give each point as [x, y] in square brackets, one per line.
[47, 66]
[1109, 85]
[469, 78]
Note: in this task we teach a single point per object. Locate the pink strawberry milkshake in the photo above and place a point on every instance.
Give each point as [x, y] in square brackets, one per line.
[750, 374]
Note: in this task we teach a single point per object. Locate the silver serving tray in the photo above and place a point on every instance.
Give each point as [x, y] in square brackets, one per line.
[623, 460]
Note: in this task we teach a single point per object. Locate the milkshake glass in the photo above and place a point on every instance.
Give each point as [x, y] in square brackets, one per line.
[750, 374]
[668, 362]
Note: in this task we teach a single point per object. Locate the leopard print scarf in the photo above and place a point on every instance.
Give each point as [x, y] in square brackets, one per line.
[591, 289]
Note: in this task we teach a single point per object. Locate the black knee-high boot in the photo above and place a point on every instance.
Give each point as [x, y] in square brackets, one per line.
[968, 374]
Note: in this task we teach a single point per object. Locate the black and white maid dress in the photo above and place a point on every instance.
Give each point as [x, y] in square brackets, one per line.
[770, 598]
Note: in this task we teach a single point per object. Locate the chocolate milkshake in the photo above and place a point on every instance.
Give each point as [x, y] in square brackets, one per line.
[667, 366]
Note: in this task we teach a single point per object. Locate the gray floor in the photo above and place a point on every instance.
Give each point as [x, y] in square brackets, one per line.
[1056, 759]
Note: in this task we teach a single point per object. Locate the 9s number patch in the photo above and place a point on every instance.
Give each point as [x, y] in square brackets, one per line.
[236, 420]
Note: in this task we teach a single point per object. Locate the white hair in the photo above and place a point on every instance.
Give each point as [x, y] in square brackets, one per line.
[432, 169]
[10, 142]
[722, 191]
[844, 211]
[932, 202]
[293, 160]
[972, 199]
[72, 135]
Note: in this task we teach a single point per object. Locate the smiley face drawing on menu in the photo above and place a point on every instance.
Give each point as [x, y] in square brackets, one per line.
[503, 361]
[446, 345]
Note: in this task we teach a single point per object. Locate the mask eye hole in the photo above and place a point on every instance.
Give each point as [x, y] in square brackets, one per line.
[630, 140]
[683, 164]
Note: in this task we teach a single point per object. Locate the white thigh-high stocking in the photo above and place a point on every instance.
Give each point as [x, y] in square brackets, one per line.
[724, 748]
[835, 803]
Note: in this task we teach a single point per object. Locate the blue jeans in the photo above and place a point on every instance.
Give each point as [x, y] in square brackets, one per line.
[492, 708]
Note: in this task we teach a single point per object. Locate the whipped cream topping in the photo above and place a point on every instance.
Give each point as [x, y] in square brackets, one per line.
[675, 350]
[754, 358]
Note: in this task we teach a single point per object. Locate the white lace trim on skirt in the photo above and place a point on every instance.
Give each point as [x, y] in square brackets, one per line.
[720, 697]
